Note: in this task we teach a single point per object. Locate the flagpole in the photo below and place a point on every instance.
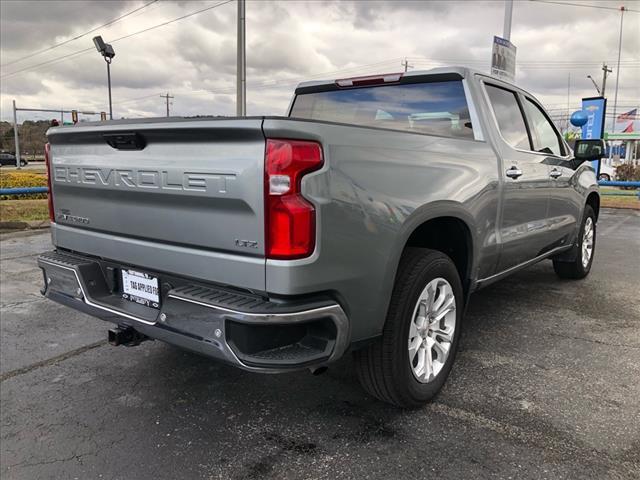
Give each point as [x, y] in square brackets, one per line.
[615, 100]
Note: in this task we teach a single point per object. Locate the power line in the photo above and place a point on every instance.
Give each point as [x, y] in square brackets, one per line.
[80, 52]
[55, 60]
[294, 80]
[110, 22]
[569, 4]
[527, 62]
[267, 84]
[627, 63]
[551, 65]
[130, 100]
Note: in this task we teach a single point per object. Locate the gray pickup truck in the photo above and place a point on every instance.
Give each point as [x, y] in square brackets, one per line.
[361, 222]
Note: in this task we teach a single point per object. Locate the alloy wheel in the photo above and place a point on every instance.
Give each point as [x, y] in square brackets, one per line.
[587, 242]
[432, 329]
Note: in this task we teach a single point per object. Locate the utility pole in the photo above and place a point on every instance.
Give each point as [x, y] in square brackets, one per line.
[241, 67]
[15, 136]
[167, 97]
[615, 100]
[508, 14]
[405, 64]
[605, 70]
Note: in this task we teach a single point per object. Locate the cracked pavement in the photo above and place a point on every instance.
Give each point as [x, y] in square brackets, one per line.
[546, 385]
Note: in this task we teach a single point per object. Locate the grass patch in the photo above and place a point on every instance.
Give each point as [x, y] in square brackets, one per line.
[627, 201]
[23, 210]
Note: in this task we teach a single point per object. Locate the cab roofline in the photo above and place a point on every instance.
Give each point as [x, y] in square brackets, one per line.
[462, 71]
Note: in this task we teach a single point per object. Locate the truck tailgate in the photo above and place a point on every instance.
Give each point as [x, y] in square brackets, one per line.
[180, 195]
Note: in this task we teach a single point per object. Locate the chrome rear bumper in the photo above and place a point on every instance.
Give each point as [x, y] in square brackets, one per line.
[239, 328]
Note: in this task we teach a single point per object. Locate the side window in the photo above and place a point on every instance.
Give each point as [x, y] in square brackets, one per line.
[545, 138]
[510, 120]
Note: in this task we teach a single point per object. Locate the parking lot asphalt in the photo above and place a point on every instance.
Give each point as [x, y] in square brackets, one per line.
[546, 385]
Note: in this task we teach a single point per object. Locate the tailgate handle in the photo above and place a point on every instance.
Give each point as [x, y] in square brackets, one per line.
[125, 141]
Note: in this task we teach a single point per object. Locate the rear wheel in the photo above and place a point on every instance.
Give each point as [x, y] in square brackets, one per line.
[605, 177]
[581, 266]
[410, 363]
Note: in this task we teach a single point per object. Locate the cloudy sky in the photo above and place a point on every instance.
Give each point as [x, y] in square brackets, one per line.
[194, 58]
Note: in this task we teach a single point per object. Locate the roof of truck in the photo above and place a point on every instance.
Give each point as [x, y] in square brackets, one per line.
[460, 70]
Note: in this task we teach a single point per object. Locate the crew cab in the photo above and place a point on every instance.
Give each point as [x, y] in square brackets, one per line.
[360, 222]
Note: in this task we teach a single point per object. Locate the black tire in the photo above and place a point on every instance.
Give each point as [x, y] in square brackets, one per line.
[383, 367]
[604, 176]
[23, 163]
[575, 269]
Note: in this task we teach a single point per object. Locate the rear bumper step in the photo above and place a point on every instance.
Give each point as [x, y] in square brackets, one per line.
[241, 329]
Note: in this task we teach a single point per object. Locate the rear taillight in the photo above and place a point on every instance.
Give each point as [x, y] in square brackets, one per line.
[290, 219]
[47, 162]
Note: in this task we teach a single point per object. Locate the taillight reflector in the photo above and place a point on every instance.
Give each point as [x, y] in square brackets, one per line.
[290, 220]
[47, 162]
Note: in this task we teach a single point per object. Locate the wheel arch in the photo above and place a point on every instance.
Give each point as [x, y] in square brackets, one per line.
[593, 200]
[446, 227]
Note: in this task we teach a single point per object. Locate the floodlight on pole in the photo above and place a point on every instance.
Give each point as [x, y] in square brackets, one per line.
[107, 52]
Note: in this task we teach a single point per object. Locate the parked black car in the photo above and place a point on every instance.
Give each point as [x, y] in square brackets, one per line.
[10, 160]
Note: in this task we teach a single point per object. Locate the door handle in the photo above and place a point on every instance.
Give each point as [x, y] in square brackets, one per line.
[514, 172]
[555, 173]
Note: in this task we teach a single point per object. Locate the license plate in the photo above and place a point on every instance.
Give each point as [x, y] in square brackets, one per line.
[141, 288]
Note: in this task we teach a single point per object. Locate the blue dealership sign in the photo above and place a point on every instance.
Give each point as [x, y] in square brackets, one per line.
[595, 108]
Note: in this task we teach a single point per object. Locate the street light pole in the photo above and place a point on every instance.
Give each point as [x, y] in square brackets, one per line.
[594, 84]
[16, 138]
[615, 100]
[108, 60]
[241, 66]
[107, 52]
[508, 15]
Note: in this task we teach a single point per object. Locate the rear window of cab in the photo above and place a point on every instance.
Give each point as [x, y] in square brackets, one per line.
[433, 108]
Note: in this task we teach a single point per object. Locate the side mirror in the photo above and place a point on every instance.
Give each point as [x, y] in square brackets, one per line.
[593, 149]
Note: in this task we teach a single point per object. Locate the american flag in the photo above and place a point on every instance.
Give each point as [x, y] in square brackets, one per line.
[630, 115]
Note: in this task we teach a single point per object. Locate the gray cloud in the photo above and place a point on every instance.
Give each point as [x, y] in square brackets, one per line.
[32, 25]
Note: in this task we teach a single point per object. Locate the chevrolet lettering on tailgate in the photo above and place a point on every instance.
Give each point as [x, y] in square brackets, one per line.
[130, 178]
